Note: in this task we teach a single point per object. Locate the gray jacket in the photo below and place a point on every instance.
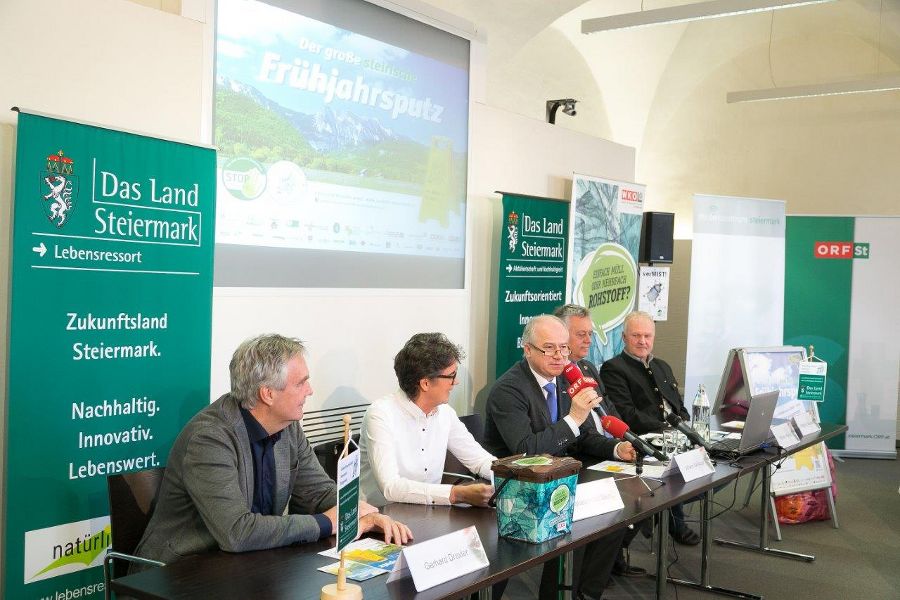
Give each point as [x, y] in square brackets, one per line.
[206, 494]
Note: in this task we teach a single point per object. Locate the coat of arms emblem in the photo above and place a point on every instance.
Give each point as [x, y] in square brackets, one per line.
[512, 223]
[59, 188]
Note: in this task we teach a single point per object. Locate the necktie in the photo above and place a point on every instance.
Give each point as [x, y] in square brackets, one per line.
[551, 401]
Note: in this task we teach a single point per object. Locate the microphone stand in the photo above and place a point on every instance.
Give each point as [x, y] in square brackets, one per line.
[638, 474]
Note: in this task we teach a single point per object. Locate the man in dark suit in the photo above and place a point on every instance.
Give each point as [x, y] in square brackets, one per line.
[645, 390]
[581, 328]
[528, 410]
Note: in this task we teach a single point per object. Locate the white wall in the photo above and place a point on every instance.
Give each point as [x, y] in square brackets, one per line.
[512, 153]
[105, 61]
[108, 62]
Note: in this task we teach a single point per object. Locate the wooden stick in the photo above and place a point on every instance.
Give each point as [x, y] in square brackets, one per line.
[346, 436]
[342, 574]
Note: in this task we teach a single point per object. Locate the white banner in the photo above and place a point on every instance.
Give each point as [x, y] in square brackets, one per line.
[737, 283]
[605, 231]
[872, 377]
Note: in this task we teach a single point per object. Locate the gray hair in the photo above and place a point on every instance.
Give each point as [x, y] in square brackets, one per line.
[528, 332]
[634, 315]
[261, 362]
[570, 310]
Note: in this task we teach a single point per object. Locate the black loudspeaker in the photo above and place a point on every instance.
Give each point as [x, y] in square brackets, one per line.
[656, 237]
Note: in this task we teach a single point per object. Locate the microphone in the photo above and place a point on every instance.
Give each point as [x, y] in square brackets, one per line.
[679, 424]
[619, 429]
[577, 382]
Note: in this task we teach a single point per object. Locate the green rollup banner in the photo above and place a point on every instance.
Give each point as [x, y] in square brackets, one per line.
[110, 328]
[534, 245]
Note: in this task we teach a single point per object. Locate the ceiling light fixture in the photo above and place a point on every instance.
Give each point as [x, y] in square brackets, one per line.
[882, 83]
[688, 12]
[878, 82]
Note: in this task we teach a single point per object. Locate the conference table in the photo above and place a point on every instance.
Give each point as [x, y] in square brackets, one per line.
[291, 572]
[757, 462]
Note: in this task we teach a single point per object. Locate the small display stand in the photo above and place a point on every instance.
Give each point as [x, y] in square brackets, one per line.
[814, 474]
[752, 371]
[347, 518]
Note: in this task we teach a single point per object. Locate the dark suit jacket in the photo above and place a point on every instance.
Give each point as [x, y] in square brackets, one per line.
[638, 391]
[517, 420]
[589, 369]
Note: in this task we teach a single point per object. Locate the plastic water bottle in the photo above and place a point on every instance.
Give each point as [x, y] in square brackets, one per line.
[700, 413]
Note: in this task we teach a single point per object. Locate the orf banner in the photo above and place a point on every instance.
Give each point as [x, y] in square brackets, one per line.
[606, 234]
[840, 273]
[110, 325]
[532, 280]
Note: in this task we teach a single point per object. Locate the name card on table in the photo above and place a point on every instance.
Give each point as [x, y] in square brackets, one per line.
[787, 410]
[785, 435]
[694, 464]
[437, 561]
[805, 424]
[596, 497]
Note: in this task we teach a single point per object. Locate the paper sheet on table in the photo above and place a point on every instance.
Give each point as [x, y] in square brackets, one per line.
[733, 425]
[354, 570]
[368, 551]
[612, 466]
[789, 409]
[596, 498]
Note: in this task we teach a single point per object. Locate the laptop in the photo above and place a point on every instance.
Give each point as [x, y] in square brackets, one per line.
[756, 427]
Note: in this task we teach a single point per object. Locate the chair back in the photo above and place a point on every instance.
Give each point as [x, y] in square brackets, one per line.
[451, 463]
[475, 426]
[328, 454]
[132, 498]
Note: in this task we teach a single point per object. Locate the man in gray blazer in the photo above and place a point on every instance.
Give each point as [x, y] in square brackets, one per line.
[242, 460]
[529, 410]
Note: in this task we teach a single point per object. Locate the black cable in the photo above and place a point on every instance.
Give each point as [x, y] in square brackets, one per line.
[733, 500]
[672, 563]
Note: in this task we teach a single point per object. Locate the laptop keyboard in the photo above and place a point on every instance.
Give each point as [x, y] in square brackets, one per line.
[728, 444]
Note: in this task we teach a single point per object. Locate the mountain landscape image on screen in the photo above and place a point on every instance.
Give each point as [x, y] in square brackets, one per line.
[328, 144]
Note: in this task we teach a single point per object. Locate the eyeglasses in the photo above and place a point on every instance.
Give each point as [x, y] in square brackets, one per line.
[550, 352]
[450, 376]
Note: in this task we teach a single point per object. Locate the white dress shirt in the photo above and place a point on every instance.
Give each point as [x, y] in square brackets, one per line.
[403, 452]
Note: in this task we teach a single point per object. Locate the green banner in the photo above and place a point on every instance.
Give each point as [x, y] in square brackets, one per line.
[532, 281]
[817, 293]
[110, 326]
[347, 499]
[811, 387]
